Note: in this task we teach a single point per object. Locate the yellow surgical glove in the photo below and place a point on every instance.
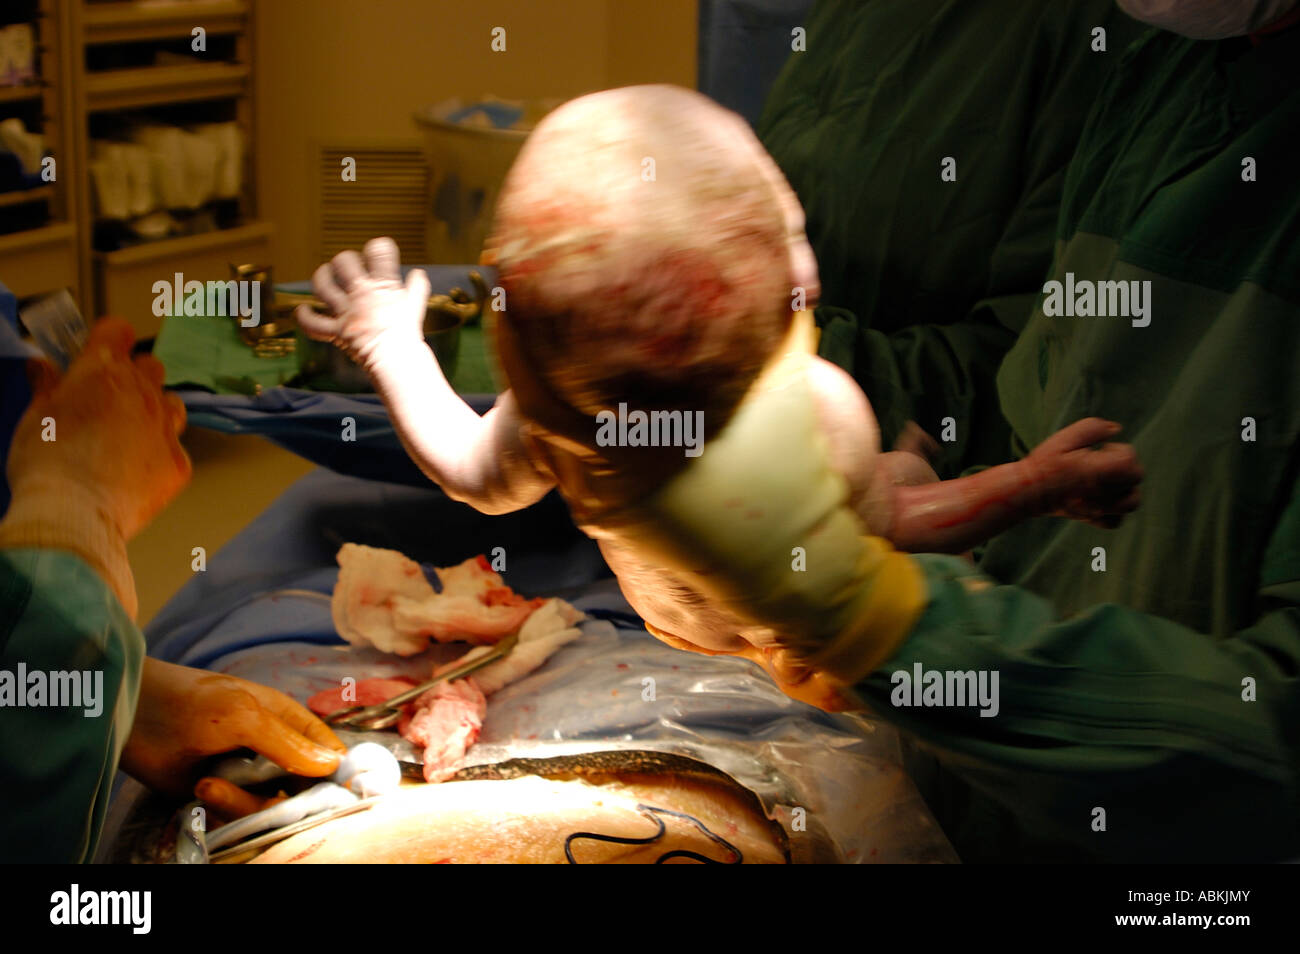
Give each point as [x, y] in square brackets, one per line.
[760, 524]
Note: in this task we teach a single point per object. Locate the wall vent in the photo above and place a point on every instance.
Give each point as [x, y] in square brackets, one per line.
[389, 197]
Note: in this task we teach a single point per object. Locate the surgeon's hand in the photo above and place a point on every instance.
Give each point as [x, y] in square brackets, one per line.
[1087, 476]
[185, 715]
[96, 455]
[373, 311]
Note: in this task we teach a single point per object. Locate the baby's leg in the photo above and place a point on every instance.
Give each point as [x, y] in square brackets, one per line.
[1074, 473]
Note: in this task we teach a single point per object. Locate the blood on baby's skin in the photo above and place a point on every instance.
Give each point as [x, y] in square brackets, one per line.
[982, 502]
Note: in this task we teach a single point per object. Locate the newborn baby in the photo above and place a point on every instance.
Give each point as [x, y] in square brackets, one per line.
[653, 259]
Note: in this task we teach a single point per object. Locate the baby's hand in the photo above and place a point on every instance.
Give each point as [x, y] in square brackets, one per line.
[1086, 477]
[371, 307]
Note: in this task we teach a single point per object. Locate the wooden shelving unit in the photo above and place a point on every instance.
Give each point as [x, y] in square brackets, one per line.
[123, 279]
[161, 85]
[19, 94]
[105, 60]
[40, 260]
[127, 22]
[23, 196]
[44, 259]
[105, 64]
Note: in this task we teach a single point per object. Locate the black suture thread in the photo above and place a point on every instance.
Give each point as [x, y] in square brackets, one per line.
[613, 839]
[653, 812]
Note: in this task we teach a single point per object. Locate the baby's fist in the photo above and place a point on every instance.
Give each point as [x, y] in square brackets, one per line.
[369, 301]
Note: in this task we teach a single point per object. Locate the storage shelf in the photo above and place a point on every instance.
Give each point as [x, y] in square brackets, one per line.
[40, 260]
[159, 85]
[21, 196]
[125, 22]
[125, 279]
[73, 99]
[18, 94]
[32, 238]
[185, 245]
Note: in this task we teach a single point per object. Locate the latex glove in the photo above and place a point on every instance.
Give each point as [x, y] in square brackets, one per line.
[850, 599]
[229, 800]
[1088, 477]
[185, 715]
[115, 460]
[791, 676]
[373, 311]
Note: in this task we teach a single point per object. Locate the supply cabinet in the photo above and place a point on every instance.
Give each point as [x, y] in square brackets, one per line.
[148, 109]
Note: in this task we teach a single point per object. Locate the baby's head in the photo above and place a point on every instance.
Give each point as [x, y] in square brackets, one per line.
[649, 249]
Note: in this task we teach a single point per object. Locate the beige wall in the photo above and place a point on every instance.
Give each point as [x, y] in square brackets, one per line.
[335, 70]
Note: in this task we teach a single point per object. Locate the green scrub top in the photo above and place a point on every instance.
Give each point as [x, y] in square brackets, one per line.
[57, 762]
[925, 282]
[1149, 709]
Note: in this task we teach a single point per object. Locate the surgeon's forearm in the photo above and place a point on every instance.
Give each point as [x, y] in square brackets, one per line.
[477, 460]
[1168, 729]
[67, 515]
[58, 761]
[951, 516]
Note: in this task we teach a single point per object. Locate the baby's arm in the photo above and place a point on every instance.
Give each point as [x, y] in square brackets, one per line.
[898, 497]
[481, 461]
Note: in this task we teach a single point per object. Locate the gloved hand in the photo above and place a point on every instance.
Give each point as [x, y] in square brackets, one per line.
[1086, 476]
[796, 680]
[823, 602]
[114, 462]
[185, 715]
[373, 311]
[229, 800]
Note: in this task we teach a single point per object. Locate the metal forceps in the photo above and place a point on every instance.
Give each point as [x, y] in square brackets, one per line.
[385, 714]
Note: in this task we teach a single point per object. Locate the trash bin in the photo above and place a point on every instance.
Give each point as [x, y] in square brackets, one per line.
[468, 153]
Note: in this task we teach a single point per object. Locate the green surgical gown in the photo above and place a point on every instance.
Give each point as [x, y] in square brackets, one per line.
[57, 763]
[1150, 704]
[926, 282]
